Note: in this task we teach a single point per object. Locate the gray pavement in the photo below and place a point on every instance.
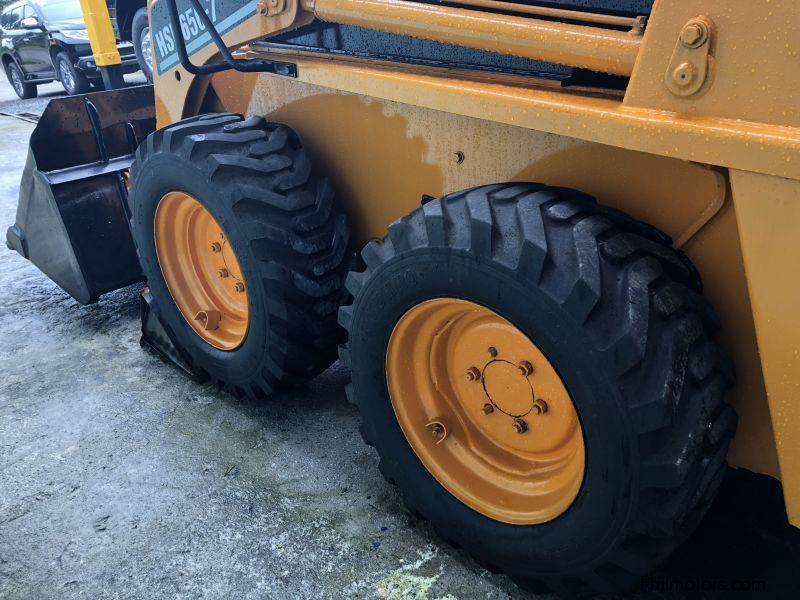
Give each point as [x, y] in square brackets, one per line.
[119, 478]
[11, 104]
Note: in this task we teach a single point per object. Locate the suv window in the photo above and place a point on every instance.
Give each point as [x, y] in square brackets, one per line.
[11, 18]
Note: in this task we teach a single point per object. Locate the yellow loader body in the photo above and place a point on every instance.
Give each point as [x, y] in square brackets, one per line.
[718, 170]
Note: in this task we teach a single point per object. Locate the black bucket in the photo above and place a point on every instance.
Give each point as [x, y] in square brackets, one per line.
[73, 218]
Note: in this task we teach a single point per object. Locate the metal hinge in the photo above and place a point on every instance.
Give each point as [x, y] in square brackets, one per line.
[692, 62]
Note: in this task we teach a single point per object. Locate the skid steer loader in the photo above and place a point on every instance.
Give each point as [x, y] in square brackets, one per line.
[540, 235]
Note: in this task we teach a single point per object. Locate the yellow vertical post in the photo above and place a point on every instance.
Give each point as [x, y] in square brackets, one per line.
[103, 42]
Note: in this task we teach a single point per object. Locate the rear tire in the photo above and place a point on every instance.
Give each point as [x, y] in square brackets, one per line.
[619, 315]
[74, 81]
[140, 34]
[259, 185]
[16, 78]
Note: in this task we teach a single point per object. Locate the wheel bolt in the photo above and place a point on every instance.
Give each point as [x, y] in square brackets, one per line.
[488, 409]
[209, 319]
[223, 273]
[694, 34]
[216, 247]
[525, 368]
[520, 426]
[473, 374]
[239, 286]
[540, 406]
[438, 431]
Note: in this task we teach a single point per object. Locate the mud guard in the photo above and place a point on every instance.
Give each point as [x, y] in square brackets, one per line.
[72, 218]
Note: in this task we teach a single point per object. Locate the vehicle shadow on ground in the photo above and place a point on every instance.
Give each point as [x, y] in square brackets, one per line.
[745, 547]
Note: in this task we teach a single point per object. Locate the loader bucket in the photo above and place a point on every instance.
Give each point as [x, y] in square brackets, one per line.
[73, 218]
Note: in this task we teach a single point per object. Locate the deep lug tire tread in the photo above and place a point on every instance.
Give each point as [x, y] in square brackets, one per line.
[286, 212]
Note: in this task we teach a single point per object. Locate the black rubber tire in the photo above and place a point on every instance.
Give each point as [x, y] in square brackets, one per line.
[24, 90]
[80, 84]
[139, 24]
[258, 182]
[619, 314]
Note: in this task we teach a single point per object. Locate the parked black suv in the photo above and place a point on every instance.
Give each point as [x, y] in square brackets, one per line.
[43, 40]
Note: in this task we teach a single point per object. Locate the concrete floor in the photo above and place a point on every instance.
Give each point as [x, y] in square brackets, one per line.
[119, 478]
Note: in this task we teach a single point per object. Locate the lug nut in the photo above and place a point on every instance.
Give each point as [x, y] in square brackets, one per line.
[694, 34]
[438, 431]
[209, 319]
[525, 368]
[492, 351]
[540, 406]
[216, 247]
[473, 374]
[239, 286]
[520, 426]
[488, 409]
[223, 273]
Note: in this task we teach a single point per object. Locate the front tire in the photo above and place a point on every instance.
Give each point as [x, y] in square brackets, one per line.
[258, 187]
[619, 315]
[74, 81]
[140, 34]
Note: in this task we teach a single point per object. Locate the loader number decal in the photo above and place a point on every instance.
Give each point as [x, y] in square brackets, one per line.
[225, 14]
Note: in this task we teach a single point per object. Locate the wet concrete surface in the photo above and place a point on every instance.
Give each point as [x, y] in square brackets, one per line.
[120, 478]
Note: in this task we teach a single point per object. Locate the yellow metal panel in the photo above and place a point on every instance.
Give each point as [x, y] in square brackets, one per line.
[399, 152]
[768, 213]
[756, 66]
[543, 106]
[101, 34]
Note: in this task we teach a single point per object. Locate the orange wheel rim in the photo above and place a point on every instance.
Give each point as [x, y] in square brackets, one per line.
[485, 411]
[201, 270]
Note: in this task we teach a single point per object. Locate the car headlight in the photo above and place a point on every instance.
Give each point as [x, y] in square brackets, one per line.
[76, 34]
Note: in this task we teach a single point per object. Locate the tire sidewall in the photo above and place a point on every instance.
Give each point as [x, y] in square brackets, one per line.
[592, 524]
[12, 67]
[158, 175]
[140, 23]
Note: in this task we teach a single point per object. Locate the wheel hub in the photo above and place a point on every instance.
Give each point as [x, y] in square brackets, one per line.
[15, 79]
[66, 76]
[201, 270]
[144, 42]
[507, 388]
[485, 411]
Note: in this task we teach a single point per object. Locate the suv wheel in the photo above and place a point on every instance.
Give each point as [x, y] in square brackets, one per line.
[73, 80]
[141, 43]
[17, 79]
